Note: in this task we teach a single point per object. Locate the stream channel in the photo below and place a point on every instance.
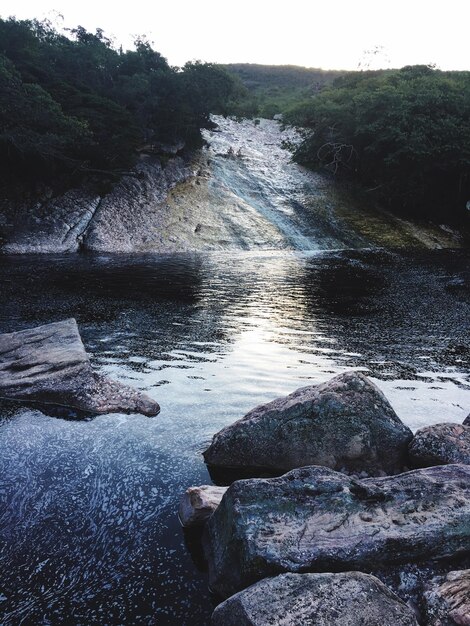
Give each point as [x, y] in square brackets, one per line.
[89, 532]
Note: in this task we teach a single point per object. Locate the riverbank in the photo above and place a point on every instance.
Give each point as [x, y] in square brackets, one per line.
[241, 192]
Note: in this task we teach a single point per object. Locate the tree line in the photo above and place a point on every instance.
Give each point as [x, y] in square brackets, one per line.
[72, 103]
[403, 135]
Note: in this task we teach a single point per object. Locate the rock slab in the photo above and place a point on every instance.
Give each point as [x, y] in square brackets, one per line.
[314, 519]
[48, 364]
[345, 599]
[440, 444]
[346, 424]
[447, 600]
[198, 503]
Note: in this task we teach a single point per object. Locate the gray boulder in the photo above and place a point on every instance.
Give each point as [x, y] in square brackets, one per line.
[346, 424]
[347, 599]
[440, 444]
[447, 600]
[315, 519]
[198, 503]
[48, 364]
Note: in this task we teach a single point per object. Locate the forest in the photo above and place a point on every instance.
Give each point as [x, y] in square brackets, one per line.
[72, 105]
[402, 135]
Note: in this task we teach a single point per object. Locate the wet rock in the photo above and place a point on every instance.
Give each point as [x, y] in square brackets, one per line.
[198, 503]
[51, 225]
[48, 364]
[131, 218]
[347, 599]
[447, 600]
[440, 444]
[346, 424]
[315, 519]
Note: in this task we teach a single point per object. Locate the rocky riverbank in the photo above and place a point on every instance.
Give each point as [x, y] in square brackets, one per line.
[276, 543]
[240, 192]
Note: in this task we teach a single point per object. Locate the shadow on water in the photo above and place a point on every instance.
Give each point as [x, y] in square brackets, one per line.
[88, 519]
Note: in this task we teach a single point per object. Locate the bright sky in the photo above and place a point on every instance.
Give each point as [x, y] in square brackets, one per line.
[314, 33]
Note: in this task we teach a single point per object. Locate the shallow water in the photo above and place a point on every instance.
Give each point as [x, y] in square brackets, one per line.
[88, 525]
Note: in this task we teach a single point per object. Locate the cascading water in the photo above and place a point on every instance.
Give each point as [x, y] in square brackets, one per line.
[294, 206]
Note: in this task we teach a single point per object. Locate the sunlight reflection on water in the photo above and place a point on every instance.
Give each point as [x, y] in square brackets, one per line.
[88, 509]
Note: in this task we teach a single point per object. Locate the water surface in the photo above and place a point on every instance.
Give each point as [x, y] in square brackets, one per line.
[88, 526]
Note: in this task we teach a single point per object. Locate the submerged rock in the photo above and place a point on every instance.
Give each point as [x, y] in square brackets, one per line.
[48, 364]
[198, 503]
[346, 424]
[347, 599]
[315, 519]
[447, 600]
[440, 444]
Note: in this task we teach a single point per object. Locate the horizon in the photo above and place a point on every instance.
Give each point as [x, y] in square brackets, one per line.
[342, 37]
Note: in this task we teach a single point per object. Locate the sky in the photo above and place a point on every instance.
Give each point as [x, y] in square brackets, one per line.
[332, 34]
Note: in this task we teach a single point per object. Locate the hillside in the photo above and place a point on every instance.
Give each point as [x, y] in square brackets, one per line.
[272, 89]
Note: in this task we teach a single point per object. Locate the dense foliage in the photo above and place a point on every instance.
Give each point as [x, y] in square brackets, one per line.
[71, 104]
[272, 89]
[404, 134]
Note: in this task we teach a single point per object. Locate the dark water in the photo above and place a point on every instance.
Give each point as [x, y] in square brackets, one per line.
[88, 526]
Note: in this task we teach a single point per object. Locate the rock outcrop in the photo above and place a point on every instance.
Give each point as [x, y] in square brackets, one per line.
[48, 364]
[315, 519]
[447, 600]
[345, 599]
[346, 424]
[440, 444]
[130, 218]
[198, 503]
[55, 224]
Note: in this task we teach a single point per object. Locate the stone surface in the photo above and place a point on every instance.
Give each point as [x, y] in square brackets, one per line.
[48, 364]
[346, 599]
[315, 519]
[198, 503]
[54, 224]
[132, 217]
[346, 424]
[466, 421]
[440, 444]
[447, 600]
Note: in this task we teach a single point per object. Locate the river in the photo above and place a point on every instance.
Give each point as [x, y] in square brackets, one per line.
[88, 524]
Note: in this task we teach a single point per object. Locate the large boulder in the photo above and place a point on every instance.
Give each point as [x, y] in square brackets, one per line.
[447, 600]
[346, 424]
[48, 364]
[198, 503]
[346, 599]
[440, 444]
[315, 519]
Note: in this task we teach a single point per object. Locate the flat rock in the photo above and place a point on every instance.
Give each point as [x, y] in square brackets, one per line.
[48, 364]
[440, 444]
[345, 599]
[198, 503]
[346, 424]
[447, 600]
[314, 519]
